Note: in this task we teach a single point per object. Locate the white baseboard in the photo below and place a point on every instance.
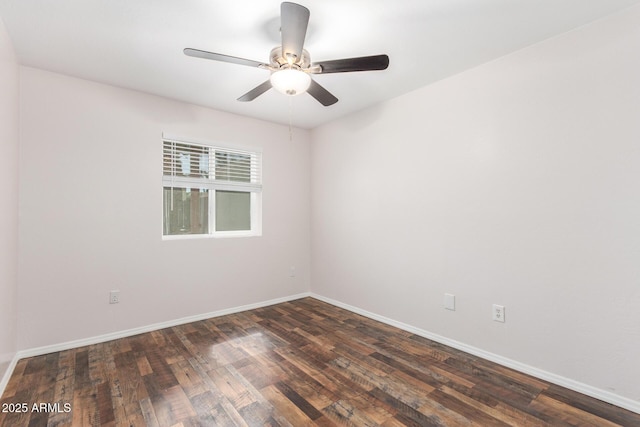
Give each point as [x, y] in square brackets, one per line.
[38, 351]
[604, 395]
[8, 372]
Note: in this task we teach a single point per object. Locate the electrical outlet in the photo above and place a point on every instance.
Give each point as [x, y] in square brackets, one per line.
[498, 313]
[114, 297]
[292, 272]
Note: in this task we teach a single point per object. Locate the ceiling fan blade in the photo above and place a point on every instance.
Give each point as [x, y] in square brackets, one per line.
[364, 63]
[322, 95]
[256, 92]
[293, 26]
[220, 57]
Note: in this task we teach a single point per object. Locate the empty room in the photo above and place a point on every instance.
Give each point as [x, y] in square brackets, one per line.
[359, 213]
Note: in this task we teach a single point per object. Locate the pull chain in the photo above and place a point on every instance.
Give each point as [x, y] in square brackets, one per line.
[291, 118]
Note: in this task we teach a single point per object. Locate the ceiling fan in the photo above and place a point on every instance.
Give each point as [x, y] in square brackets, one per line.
[290, 64]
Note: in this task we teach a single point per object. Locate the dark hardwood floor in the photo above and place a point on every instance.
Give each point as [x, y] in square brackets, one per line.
[293, 364]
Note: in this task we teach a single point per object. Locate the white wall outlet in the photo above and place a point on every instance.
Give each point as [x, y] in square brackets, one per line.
[114, 297]
[292, 272]
[450, 302]
[498, 313]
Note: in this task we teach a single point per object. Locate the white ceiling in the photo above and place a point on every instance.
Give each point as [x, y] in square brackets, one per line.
[138, 44]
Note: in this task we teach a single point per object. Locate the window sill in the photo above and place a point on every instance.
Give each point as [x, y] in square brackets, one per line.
[219, 235]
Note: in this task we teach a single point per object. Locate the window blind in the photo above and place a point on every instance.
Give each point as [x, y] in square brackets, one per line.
[186, 162]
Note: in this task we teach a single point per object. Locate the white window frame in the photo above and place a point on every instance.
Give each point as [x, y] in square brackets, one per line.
[254, 188]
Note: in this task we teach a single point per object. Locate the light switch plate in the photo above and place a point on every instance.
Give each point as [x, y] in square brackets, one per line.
[450, 302]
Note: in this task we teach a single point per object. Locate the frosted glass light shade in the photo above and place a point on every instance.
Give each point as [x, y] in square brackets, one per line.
[290, 82]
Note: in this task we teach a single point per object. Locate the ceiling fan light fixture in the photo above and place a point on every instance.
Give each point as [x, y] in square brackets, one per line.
[290, 81]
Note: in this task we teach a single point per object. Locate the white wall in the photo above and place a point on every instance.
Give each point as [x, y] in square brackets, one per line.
[90, 213]
[514, 183]
[9, 209]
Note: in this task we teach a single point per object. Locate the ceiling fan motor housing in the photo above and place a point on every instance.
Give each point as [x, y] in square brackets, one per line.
[277, 60]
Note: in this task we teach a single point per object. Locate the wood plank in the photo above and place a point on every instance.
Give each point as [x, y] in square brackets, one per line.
[294, 415]
[179, 404]
[568, 413]
[597, 407]
[63, 393]
[510, 417]
[345, 412]
[302, 404]
[230, 411]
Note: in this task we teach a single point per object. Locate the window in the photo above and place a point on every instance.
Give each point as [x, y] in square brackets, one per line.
[210, 190]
